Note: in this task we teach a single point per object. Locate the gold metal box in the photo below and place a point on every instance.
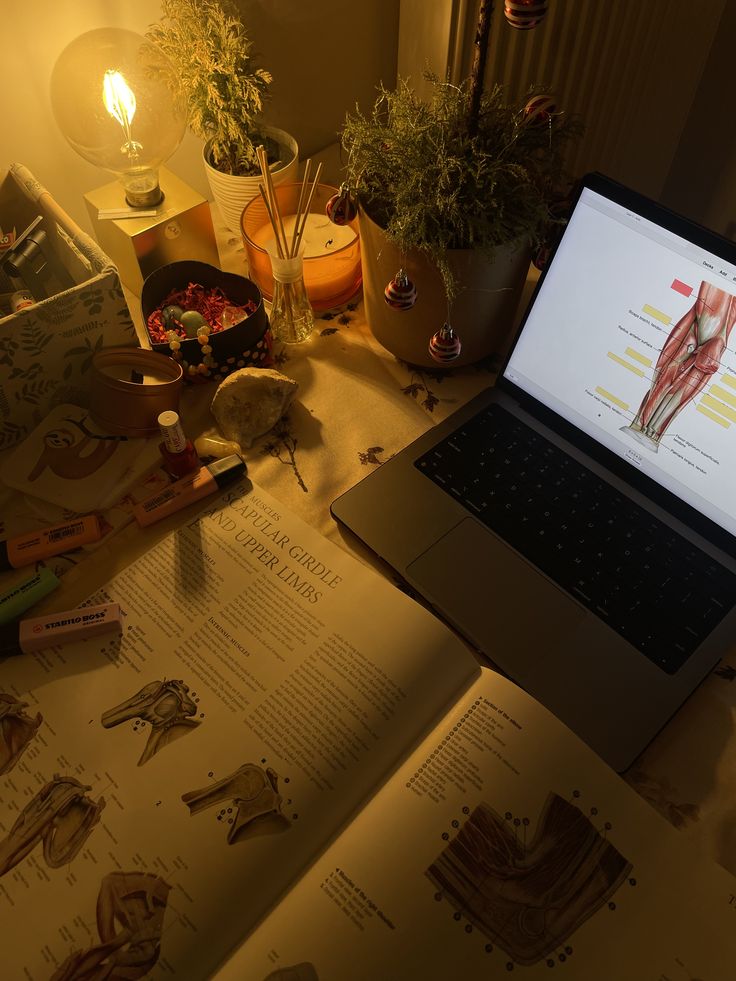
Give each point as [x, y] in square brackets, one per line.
[180, 229]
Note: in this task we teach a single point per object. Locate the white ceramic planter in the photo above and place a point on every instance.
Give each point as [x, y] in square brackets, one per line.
[232, 193]
[482, 315]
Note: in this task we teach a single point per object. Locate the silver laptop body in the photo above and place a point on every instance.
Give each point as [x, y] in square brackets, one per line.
[623, 361]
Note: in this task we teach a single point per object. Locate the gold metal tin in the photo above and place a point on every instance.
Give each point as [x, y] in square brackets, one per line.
[128, 407]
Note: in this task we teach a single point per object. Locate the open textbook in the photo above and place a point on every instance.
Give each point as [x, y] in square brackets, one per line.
[284, 768]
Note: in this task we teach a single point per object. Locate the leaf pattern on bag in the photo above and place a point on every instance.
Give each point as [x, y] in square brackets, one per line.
[33, 392]
[33, 339]
[8, 347]
[29, 372]
[92, 300]
[10, 435]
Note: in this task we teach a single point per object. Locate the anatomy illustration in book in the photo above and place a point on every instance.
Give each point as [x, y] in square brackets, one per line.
[167, 707]
[60, 816]
[130, 916]
[687, 362]
[528, 897]
[17, 729]
[255, 804]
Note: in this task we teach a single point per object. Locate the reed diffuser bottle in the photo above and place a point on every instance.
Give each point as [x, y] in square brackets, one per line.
[292, 318]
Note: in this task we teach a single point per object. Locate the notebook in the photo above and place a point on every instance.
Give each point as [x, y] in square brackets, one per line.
[576, 523]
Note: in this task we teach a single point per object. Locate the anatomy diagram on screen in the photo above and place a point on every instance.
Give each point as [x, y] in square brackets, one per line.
[130, 916]
[17, 729]
[166, 706]
[529, 897]
[61, 816]
[689, 358]
[254, 798]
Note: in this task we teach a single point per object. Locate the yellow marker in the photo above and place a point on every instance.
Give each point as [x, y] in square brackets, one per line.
[729, 380]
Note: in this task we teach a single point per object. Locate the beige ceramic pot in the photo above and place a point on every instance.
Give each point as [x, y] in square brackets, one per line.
[232, 193]
[482, 315]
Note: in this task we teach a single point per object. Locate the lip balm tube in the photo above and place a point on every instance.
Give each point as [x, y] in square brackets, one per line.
[21, 597]
[59, 628]
[190, 488]
[34, 545]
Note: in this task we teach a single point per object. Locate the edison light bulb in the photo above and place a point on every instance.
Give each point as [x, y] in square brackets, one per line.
[115, 99]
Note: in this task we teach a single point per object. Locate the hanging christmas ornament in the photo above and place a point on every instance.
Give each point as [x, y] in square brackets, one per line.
[540, 109]
[401, 293]
[341, 208]
[525, 14]
[445, 345]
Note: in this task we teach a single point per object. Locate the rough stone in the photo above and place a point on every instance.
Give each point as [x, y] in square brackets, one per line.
[251, 401]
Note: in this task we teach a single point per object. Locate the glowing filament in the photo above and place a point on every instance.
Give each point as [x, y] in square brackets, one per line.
[120, 103]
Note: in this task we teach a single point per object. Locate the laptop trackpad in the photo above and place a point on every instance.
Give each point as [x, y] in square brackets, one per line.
[489, 592]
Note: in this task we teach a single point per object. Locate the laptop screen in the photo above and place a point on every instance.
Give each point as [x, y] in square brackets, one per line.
[629, 339]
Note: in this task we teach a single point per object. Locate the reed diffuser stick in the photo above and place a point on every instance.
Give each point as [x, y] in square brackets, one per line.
[266, 173]
[302, 192]
[271, 218]
[305, 213]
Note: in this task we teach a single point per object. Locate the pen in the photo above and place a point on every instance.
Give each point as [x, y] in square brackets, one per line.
[18, 599]
[34, 545]
[36, 633]
[190, 488]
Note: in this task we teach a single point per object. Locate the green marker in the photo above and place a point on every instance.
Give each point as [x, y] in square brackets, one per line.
[21, 597]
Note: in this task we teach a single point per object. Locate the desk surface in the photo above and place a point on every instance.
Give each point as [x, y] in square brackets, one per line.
[356, 406]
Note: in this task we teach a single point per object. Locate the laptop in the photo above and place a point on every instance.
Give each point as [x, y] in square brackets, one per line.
[576, 522]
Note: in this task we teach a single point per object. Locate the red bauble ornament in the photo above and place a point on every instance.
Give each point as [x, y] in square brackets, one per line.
[525, 14]
[401, 293]
[341, 209]
[540, 109]
[445, 345]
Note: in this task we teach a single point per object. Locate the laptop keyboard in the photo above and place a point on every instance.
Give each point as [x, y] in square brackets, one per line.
[647, 582]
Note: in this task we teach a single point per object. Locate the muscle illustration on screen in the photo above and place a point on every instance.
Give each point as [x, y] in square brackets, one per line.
[690, 356]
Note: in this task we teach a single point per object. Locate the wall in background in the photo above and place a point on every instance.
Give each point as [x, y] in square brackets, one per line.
[649, 80]
[324, 54]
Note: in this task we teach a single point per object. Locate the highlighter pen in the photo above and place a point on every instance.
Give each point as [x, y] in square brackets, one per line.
[190, 488]
[21, 597]
[34, 545]
[59, 628]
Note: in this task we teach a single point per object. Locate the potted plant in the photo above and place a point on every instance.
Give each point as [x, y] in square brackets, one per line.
[454, 191]
[209, 46]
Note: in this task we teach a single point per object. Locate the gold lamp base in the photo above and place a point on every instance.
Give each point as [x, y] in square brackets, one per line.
[181, 228]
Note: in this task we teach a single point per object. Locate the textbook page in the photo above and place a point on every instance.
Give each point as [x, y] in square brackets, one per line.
[159, 790]
[503, 846]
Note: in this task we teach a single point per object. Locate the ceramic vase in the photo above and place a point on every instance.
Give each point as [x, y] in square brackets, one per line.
[482, 315]
[231, 192]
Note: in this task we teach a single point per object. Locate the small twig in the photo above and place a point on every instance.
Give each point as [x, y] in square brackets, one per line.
[477, 72]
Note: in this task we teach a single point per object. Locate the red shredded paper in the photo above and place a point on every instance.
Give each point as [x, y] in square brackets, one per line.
[208, 302]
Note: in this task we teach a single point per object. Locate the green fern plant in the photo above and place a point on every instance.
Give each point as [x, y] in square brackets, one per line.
[442, 174]
[209, 49]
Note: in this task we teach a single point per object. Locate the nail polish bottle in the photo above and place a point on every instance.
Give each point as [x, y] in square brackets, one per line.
[179, 455]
